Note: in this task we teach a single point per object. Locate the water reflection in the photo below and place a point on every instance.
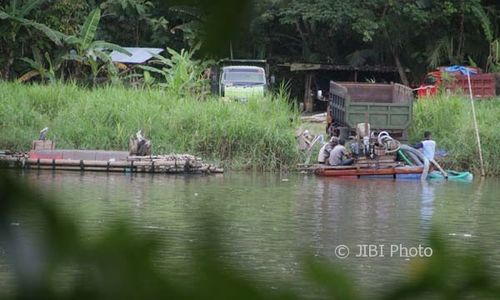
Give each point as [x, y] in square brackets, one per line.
[268, 221]
[426, 207]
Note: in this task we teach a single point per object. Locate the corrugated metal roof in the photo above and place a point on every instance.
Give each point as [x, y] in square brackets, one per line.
[139, 55]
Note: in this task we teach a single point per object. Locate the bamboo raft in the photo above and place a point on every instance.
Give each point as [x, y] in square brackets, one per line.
[109, 161]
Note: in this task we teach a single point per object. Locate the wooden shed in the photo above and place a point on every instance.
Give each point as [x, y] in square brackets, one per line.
[316, 76]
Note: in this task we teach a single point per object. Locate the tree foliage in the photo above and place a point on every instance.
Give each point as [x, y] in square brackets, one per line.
[415, 35]
[418, 34]
[89, 52]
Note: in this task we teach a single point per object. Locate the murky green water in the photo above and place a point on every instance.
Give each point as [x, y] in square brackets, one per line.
[268, 221]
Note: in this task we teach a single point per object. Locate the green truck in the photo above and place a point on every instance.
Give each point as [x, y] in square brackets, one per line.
[240, 79]
[385, 107]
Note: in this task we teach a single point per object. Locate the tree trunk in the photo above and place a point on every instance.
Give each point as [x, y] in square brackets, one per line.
[9, 60]
[308, 100]
[461, 36]
[305, 45]
[401, 69]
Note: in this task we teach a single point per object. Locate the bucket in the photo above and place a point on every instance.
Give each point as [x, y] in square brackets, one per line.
[379, 151]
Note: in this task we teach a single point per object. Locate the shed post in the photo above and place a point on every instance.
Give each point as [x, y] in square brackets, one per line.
[308, 100]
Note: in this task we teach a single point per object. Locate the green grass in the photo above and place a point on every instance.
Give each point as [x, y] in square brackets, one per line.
[258, 134]
[450, 120]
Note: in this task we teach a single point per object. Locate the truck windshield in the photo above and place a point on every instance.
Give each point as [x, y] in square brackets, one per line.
[244, 76]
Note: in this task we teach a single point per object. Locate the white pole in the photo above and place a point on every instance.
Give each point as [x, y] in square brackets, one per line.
[475, 125]
[231, 49]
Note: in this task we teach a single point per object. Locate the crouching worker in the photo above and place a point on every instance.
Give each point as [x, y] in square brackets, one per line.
[324, 152]
[338, 155]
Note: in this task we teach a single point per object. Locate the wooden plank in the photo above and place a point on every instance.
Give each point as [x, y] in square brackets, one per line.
[42, 145]
[368, 171]
[364, 161]
[328, 167]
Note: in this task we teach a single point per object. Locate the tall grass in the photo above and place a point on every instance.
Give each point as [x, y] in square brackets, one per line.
[258, 134]
[450, 120]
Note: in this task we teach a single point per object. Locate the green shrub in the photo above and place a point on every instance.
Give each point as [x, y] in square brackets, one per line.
[449, 118]
[258, 134]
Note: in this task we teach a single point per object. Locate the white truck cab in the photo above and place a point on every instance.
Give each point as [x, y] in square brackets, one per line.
[242, 82]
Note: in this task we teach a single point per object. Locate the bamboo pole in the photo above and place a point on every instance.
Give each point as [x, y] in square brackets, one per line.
[104, 163]
[475, 126]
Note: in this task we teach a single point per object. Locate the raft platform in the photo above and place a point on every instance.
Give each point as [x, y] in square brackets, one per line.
[329, 171]
[108, 161]
[380, 165]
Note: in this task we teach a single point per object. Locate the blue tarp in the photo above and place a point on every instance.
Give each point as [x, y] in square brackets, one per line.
[461, 69]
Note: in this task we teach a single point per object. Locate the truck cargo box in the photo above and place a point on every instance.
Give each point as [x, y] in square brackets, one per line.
[483, 84]
[384, 106]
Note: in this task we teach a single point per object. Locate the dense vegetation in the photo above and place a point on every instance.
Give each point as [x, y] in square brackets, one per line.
[68, 41]
[257, 134]
[54, 37]
[450, 120]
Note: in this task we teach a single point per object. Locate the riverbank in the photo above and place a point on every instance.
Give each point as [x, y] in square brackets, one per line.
[258, 134]
[449, 118]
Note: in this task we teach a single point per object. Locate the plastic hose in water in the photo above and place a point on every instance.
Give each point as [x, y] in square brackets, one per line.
[415, 158]
[403, 156]
[426, 161]
[421, 156]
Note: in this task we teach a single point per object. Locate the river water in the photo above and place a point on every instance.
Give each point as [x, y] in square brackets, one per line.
[267, 222]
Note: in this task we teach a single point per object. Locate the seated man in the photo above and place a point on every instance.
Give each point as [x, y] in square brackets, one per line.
[338, 155]
[324, 152]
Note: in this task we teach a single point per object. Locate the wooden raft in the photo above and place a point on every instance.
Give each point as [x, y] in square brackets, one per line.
[364, 171]
[381, 165]
[171, 164]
